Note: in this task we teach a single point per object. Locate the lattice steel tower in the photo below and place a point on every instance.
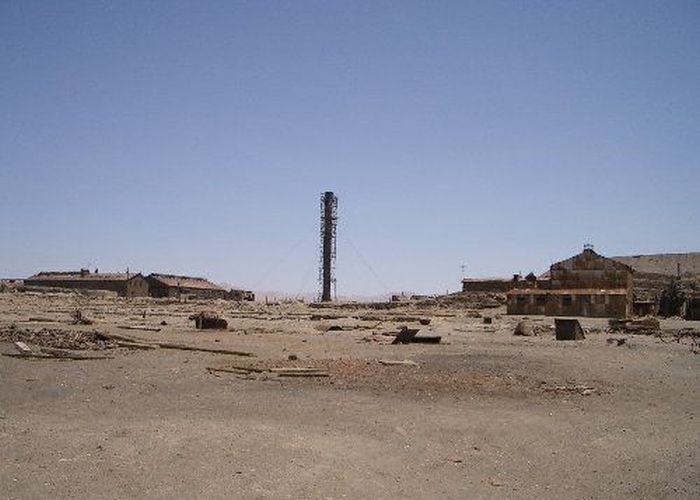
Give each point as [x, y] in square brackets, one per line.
[329, 221]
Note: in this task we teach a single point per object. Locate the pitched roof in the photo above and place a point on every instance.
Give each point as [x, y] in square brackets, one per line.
[588, 256]
[175, 281]
[78, 276]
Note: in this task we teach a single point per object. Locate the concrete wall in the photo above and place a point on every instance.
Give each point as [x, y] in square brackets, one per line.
[590, 270]
[527, 304]
[595, 305]
[495, 285]
[693, 308]
[135, 287]
[182, 292]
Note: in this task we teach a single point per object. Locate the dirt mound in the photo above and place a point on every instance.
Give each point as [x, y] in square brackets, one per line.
[57, 338]
[527, 328]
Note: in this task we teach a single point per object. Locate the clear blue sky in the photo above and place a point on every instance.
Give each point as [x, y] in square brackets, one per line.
[195, 137]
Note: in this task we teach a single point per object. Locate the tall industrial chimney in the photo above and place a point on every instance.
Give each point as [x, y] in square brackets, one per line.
[329, 219]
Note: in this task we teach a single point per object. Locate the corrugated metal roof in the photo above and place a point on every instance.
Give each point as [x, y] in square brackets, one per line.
[78, 276]
[175, 281]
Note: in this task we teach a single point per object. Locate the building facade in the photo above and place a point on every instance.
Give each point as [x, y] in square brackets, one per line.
[586, 284]
[239, 295]
[124, 284]
[653, 274]
[177, 287]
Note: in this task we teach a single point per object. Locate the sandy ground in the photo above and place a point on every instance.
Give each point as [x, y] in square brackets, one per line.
[484, 414]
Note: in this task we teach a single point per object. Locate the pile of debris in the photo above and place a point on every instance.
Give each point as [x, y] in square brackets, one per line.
[688, 336]
[405, 335]
[57, 338]
[470, 300]
[527, 328]
[642, 326]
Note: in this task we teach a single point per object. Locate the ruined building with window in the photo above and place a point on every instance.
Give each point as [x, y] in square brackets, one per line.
[586, 284]
[655, 273]
[124, 284]
[174, 286]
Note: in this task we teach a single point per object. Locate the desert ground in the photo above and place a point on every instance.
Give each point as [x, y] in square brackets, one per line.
[482, 414]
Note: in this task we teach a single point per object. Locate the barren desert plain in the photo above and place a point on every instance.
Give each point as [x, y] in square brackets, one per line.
[299, 400]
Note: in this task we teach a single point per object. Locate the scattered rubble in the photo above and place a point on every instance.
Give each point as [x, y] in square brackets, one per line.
[26, 352]
[616, 341]
[643, 326]
[57, 338]
[679, 336]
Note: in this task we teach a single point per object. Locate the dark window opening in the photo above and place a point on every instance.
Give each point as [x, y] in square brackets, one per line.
[566, 300]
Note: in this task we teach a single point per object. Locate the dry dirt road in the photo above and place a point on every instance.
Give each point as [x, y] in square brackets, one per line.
[484, 414]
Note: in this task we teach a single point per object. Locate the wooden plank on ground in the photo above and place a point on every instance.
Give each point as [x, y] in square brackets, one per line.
[392, 362]
[22, 347]
[53, 356]
[139, 327]
[183, 347]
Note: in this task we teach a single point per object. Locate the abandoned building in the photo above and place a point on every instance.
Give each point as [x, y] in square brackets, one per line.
[240, 295]
[586, 284]
[124, 284]
[174, 286]
[654, 273]
[693, 307]
[498, 285]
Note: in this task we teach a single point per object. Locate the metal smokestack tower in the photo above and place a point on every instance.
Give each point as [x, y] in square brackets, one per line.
[329, 220]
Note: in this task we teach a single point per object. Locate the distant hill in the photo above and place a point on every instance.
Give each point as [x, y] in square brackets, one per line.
[663, 263]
